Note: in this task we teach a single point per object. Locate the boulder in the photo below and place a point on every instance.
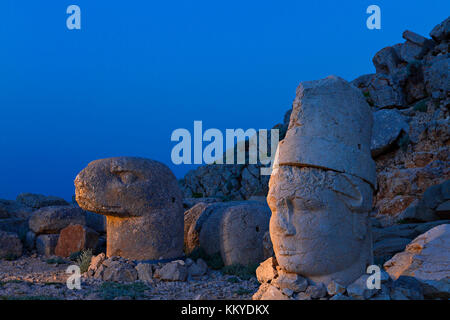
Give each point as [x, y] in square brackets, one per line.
[198, 269]
[46, 244]
[75, 238]
[119, 271]
[415, 38]
[385, 92]
[386, 60]
[14, 209]
[51, 220]
[30, 240]
[173, 271]
[234, 229]
[406, 288]
[38, 201]
[96, 262]
[271, 293]
[316, 291]
[190, 217]
[441, 32]
[358, 289]
[388, 125]
[427, 259]
[425, 209]
[142, 203]
[10, 245]
[335, 288]
[15, 225]
[436, 76]
[145, 271]
[267, 271]
[291, 281]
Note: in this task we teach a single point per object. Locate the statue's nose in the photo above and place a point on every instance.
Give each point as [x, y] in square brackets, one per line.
[285, 226]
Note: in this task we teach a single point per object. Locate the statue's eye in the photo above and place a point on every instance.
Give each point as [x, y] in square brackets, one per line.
[127, 177]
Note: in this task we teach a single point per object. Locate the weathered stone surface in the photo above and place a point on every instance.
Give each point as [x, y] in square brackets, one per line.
[235, 229]
[406, 287]
[425, 209]
[14, 209]
[15, 225]
[75, 238]
[145, 271]
[386, 60]
[55, 218]
[197, 269]
[46, 244]
[415, 38]
[119, 271]
[38, 201]
[273, 293]
[335, 288]
[96, 262]
[267, 271]
[388, 125]
[30, 240]
[190, 217]
[441, 31]
[10, 245]
[323, 113]
[385, 92]
[426, 259]
[290, 281]
[311, 208]
[143, 205]
[316, 291]
[358, 289]
[173, 271]
[436, 76]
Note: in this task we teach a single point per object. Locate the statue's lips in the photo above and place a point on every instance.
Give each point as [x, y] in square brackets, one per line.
[287, 253]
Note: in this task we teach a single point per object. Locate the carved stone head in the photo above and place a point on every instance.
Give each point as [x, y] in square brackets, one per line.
[319, 224]
[143, 204]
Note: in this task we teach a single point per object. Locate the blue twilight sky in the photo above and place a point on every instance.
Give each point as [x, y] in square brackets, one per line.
[137, 70]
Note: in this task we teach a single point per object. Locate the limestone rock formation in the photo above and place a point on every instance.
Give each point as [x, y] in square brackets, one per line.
[46, 244]
[51, 220]
[37, 201]
[427, 259]
[388, 125]
[10, 245]
[143, 205]
[234, 229]
[413, 78]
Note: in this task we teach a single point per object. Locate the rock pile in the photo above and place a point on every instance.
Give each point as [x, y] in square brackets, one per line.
[118, 269]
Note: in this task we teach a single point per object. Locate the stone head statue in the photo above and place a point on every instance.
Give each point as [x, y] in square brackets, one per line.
[320, 190]
[142, 202]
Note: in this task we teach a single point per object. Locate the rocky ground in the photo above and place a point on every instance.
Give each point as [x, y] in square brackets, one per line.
[39, 277]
